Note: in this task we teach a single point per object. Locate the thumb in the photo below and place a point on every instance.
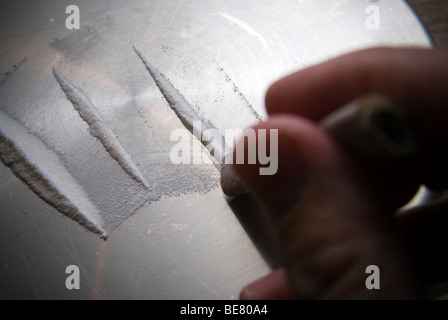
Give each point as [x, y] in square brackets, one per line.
[330, 228]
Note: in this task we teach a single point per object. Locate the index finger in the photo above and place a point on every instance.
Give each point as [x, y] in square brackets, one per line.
[414, 79]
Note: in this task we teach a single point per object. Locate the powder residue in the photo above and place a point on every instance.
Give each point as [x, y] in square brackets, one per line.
[186, 114]
[40, 168]
[76, 43]
[99, 128]
[9, 74]
[243, 98]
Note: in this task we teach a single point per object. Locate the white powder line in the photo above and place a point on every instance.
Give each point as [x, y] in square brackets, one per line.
[99, 128]
[187, 115]
[43, 172]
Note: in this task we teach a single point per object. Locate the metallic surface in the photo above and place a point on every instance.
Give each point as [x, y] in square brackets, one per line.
[221, 55]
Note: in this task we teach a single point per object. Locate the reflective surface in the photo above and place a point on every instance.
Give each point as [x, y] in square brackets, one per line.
[221, 55]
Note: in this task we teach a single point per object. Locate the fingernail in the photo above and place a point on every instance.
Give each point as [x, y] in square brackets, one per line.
[274, 286]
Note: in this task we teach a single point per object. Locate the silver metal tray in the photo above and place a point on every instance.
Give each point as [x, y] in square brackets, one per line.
[189, 242]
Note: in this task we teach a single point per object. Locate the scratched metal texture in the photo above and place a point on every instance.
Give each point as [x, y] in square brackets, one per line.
[221, 55]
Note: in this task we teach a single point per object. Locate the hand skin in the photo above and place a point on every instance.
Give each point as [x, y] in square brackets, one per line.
[334, 215]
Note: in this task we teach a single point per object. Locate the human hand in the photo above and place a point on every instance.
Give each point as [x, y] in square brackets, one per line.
[334, 215]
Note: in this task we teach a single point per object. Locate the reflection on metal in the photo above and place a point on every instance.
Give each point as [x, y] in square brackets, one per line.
[221, 55]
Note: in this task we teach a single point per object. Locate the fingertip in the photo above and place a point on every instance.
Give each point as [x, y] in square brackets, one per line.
[274, 97]
[302, 151]
[274, 286]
